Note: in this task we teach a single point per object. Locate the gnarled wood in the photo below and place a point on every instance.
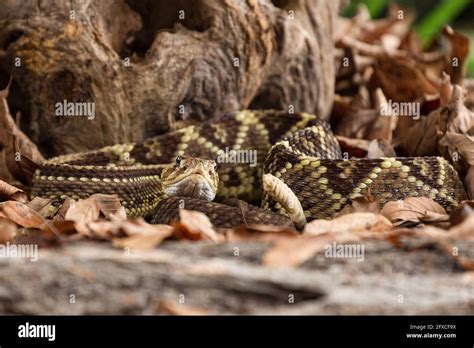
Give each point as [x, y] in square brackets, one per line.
[189, 61]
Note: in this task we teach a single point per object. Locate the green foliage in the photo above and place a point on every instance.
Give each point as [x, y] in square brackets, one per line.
[434, 21]
[470, 67]
[375, 7]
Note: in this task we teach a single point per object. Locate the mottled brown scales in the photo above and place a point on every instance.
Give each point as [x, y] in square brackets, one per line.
[222, 215]
[324, 183]
[134, 162]
[305, 155]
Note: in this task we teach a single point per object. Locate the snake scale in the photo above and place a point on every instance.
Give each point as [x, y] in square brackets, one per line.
[298, 149]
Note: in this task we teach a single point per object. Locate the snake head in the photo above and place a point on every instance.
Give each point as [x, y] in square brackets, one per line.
[191, 177]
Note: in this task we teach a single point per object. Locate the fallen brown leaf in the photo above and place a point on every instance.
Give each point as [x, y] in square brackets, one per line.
[21, 154]
[353, 147]
[464, 230]
[454, 117]
[446, 89]
[8, 230]
[43, 206]
[469, 85]
[66, 228]
[89, 210]
[353, 223]
[459, 49]
[358, 119]
[12, 193]
[110, 205]
[83, 211]
[380, 148]
[462, 144]
[460, 119]
[295, 251]
[414, 210]
[149, 237]
[44, 238]
[384, 125]
[461, 212]
[469, 181]
[366, 204]
[261, 233]
[61, 213]
[195, 225]
[20, 214]
[401, 79]
[171, 307]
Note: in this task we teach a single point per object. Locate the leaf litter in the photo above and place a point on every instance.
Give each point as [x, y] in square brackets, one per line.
[386, 64]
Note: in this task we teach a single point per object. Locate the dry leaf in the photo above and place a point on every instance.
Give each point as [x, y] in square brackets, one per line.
[459, 49]
[15, 142]
[355, 222]
[88, 210]
[454, 117]
[134, 233]
[61, 213]
[401, 79]
[171, 307]
[460, 119]
[461, 212]
[66, 228]
[83, 211]
[353, 147]
[195, 225]
[43, 206]
[44, 238]
[469, 180]
[384, 125]
[295, 251]
[462, 144]
[110, 205]
[358, 119]
[149, 237]
[463, 231]
[366, 204]
[12, 193]
[8, 230]
[261, 233]
[412, 143]
[20, 214]
[415, 210]
[380, 148]
[446, 89]
[469, 85]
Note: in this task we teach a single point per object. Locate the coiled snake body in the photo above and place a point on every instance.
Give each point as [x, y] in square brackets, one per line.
[298, 149]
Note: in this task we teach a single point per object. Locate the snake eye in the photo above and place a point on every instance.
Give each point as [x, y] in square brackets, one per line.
[215, 166]
[178, 160]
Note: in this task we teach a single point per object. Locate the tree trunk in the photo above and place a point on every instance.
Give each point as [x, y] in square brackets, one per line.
[154, 65]
[187, 278]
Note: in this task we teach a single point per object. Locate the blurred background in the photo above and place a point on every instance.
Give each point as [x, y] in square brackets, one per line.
[431, 17]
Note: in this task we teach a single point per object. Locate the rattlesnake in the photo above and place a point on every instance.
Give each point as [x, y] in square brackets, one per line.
[298, 149]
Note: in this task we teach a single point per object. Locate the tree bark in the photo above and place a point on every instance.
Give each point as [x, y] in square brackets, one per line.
[187, 278]
[151, 66]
